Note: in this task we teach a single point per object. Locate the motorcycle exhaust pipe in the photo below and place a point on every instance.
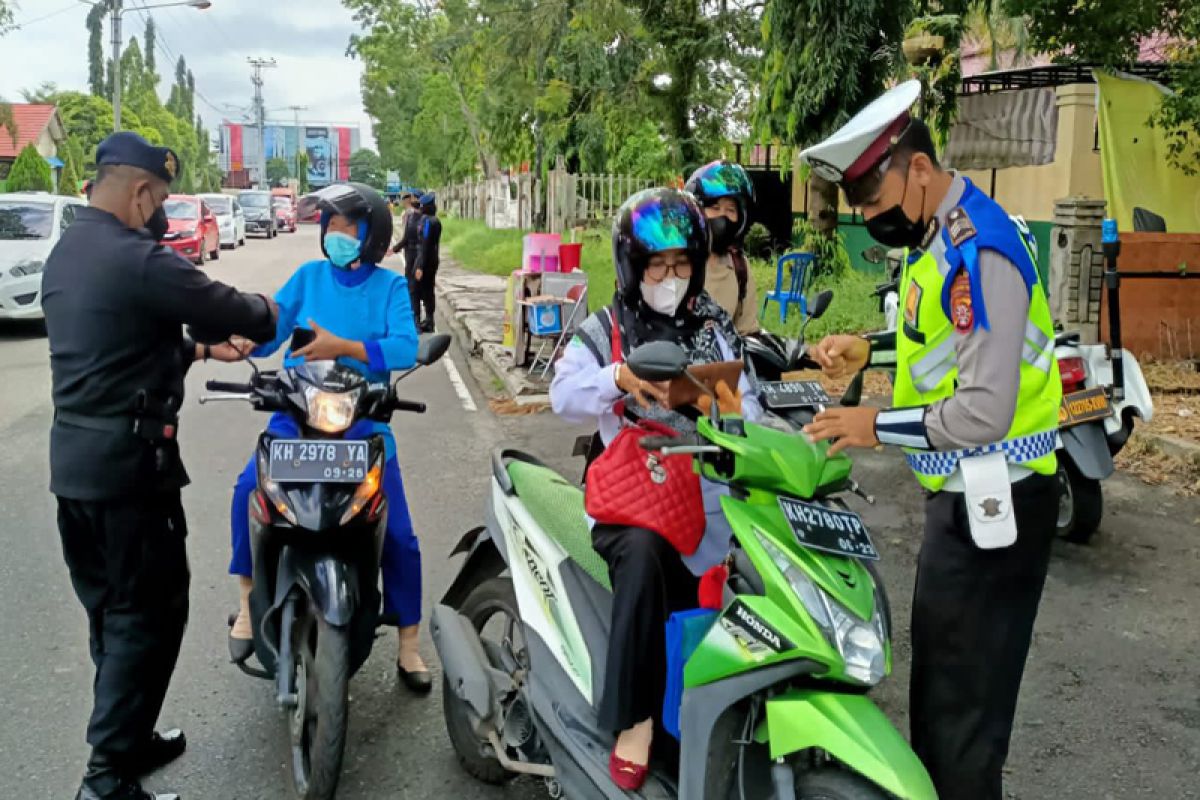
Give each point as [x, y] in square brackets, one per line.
[1111, 246]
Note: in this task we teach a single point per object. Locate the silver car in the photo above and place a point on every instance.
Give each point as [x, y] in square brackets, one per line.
[30, 225]
[231, 220]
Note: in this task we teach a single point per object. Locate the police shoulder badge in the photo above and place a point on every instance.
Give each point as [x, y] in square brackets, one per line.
[959, 226]
[961, 312]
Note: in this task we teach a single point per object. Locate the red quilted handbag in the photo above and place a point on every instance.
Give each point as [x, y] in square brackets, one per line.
[636, 488]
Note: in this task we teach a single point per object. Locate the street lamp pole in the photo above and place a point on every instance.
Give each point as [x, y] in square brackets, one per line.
[117, 9]
[116, 63]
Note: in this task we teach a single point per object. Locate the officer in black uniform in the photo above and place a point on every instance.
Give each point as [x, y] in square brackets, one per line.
[116, 302]
[428, 257]
[410, 246]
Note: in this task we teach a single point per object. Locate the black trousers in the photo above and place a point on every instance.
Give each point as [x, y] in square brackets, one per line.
[972, 620]
[420, 292]
[650, 582]
[129, 567]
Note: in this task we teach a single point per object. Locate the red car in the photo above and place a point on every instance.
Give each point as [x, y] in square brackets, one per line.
[193, 230]
[285, 213]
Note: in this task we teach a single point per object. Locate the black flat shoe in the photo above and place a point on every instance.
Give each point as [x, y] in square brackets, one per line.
[418, 681]
[163, 749]
[129, 790]
[240, 649]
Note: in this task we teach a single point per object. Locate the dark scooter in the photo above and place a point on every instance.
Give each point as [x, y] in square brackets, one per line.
[317, 521]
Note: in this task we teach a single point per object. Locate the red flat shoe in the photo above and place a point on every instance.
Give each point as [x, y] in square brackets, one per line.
[626, 774]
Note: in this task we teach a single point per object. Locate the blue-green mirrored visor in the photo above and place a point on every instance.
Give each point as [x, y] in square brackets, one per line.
[724, 180]
[663, 223]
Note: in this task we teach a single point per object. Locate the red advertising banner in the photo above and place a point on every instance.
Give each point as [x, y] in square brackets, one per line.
[235, 148]
[343, 154]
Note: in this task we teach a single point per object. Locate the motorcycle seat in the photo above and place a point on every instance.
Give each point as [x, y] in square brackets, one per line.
[556, 505]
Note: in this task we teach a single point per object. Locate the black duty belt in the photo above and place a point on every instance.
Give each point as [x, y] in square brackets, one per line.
[114, 424]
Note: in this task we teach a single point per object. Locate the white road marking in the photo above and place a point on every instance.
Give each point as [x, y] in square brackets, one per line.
[460, 388]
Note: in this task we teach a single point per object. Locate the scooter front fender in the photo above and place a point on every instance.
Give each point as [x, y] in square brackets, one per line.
[328, 582]
[852, 729]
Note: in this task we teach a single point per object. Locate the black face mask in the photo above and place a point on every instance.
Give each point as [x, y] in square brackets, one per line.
[893, 228]
[157, 224]
[724, 234]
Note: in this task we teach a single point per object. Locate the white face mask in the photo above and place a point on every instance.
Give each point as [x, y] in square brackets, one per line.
[665, 297]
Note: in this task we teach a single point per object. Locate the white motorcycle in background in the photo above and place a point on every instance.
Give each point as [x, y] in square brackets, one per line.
[1104, 391]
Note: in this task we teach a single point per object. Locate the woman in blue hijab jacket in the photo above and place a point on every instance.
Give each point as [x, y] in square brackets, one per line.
[362, 317]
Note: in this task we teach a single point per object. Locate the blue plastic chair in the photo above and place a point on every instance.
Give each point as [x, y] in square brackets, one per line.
[801, 264]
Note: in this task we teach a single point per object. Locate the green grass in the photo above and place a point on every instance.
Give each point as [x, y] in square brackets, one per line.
[498, 252]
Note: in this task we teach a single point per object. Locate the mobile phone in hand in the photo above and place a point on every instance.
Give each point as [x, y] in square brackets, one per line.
[301, 338]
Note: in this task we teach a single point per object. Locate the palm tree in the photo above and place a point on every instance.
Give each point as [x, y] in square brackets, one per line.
[7, 121]
[987, 22]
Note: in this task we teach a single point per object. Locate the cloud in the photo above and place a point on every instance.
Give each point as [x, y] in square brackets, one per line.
[307, 38]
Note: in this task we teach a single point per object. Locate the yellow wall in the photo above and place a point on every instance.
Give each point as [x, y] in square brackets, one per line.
[1032, 191]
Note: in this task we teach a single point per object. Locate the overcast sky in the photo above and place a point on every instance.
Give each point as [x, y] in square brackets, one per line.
[307, 38]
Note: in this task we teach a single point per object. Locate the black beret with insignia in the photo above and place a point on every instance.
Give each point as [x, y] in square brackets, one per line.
[126, 148]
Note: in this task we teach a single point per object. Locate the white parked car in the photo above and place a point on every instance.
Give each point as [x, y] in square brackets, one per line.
[30, 224]
[231, 220]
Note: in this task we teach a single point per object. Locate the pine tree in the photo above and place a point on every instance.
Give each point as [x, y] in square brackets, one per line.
[30, 173]
[68, 180]
[151, 32]
[97, 83]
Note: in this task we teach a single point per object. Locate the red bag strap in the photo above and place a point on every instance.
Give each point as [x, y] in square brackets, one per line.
[618, 356]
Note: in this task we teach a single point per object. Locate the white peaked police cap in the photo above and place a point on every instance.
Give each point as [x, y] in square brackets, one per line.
[867, 139]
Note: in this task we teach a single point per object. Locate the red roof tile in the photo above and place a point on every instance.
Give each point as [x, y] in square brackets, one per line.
[31, 121]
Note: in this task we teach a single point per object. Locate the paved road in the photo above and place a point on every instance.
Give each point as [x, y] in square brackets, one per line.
[1111, 707]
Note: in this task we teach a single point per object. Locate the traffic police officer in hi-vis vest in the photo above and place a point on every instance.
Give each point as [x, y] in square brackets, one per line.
[975, 408]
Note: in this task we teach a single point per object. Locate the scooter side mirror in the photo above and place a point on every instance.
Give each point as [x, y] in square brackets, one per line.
[658, 361]
[432, 348]
[821, 304]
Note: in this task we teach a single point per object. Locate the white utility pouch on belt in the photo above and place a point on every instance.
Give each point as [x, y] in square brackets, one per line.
[988, 495]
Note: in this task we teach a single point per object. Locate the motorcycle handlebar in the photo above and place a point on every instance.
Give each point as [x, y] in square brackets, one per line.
[226, 386]
[408, 405]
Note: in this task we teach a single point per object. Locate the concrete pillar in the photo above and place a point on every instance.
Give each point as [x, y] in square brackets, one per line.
[1077, 265]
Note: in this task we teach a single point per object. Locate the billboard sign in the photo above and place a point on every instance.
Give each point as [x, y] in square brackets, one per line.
[320, 155]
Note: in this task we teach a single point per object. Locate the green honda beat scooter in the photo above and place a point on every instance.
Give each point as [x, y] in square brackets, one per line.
[774, 686]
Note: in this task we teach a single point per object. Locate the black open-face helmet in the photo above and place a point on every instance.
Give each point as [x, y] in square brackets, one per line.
[652, 221]
[358, 202]
[725, 179]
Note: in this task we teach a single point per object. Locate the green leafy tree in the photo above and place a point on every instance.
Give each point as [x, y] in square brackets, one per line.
[88, 120]
[1111, 35]
[278, 171]
[6, 17]
[30, 172]
[8, 121]
[68, 179]
[98, 83]
[820, 64]
[367, 167]
[151, 34]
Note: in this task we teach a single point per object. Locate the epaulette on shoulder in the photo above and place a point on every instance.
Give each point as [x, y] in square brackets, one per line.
[959, 227]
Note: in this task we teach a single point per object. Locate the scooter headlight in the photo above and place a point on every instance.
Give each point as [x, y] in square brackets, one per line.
[330, 412]
[859, 643]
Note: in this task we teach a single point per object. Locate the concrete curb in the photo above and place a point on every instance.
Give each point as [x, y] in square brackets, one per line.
[474, 305]
[1175, 446]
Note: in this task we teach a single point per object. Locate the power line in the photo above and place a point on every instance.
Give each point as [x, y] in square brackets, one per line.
[52, 14]
[160, 42]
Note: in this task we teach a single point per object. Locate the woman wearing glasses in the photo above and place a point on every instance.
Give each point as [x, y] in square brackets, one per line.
[660, 246]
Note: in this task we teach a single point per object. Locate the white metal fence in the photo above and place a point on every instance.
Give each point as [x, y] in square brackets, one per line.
[565, 201]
